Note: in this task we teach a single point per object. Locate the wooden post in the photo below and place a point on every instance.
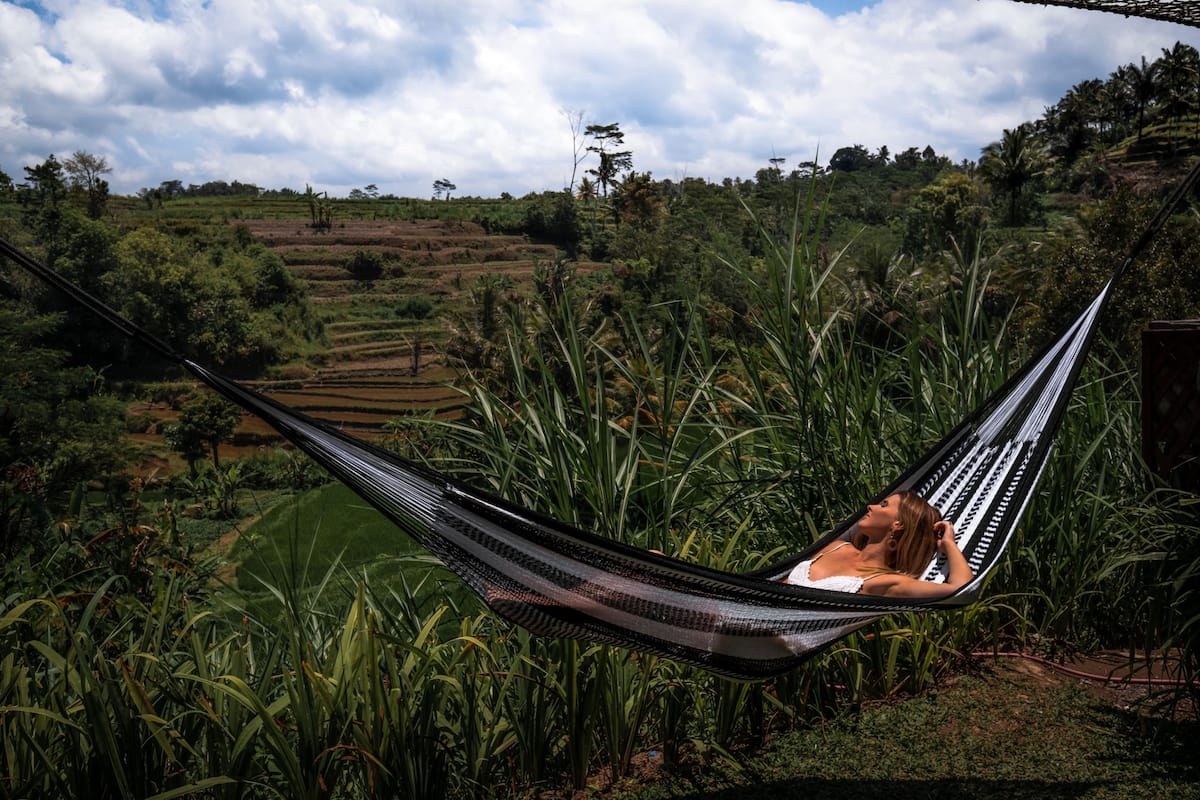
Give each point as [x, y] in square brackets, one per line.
[1171, 401]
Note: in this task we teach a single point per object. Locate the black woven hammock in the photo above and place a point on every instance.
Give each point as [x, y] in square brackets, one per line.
[558, 581]
[1184, 12]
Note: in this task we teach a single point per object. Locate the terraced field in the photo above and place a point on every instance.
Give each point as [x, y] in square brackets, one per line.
[383, 361]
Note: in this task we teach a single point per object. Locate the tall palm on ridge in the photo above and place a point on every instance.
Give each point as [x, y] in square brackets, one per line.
[1012, 164]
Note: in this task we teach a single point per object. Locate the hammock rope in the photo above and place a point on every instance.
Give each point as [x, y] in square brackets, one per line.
[1183, 12]
[558, 581]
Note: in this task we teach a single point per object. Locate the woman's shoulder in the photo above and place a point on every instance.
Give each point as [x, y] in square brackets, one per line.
[835, 547]
[884, 582]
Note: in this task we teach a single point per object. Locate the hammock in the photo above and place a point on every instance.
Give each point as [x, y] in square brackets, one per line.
[1184, 12]
[558, 581]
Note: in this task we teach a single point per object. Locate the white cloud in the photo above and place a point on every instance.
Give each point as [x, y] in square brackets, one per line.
[398, 94]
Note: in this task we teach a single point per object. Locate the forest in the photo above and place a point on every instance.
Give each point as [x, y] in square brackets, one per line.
[717, 369]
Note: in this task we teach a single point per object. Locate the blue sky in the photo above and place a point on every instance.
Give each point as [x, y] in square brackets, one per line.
[399, 93]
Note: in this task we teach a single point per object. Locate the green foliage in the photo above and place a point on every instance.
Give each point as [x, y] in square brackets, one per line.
[281, 469]
[55, 428]
[216, 490]
[85, 171]
[42, 199]
[1163, 283]
[416, 307]
[273, 283]
[946, 214]
[205, 421]
[365, 265]
[851, 159]
[360, 675]
[1012, 166]
[233, 309]
[553, 218]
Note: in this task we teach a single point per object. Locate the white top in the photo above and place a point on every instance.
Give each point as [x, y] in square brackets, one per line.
[834, 583]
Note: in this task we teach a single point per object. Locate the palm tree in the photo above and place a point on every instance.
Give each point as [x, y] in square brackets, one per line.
[1116, 106]
[1177, 69]
[587, 196]
[1077, 118]
[1143, 83]
[1011, 164]
[636, 200]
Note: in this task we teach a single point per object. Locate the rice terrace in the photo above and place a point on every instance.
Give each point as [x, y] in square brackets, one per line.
[870, 473]
[381, 364]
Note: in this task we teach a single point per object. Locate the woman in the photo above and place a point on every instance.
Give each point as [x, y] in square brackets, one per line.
[893, 544]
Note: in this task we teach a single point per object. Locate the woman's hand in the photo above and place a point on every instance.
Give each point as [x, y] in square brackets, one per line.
[944, 531]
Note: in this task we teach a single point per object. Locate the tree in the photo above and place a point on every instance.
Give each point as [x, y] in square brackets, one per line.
[84, 171]
[1072, 124]
[1178, 69]
[1117, 106]
[150, 197]
[312, 198]
[636, 200]
[56, 428]
[1143, 84]
[850, 159]
[945, 212]
[365, 265]
[205, 421]
[587, 191]
[578, 142]
[909, 159]
[171, 189]
[443, 187]
[368, 192]
[553, 217]
[184, 298]
[41, 198]
[1162, 283]
[612, 162]
[587, 195]
[1011, 166]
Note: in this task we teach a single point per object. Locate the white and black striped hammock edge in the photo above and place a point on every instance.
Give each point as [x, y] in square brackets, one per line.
[558, 581]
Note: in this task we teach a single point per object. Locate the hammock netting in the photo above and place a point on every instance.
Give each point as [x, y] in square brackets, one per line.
[1184, 12]
[559, 581]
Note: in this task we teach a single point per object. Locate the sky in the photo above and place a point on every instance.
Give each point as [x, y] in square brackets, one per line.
[399, 93]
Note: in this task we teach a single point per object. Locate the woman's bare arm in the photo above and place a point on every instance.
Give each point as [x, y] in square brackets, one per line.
[906, 586]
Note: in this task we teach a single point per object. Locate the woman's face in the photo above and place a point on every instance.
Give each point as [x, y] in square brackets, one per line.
[881, 517]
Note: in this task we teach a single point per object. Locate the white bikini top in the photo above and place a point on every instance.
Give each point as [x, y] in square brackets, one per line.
[833, 583]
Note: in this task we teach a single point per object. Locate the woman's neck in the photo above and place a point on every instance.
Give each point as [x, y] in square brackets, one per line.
[874, 555]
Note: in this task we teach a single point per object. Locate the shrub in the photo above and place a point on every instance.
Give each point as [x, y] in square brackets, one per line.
[416, 307]
[365, 265]
[139, 423]
[281, 469]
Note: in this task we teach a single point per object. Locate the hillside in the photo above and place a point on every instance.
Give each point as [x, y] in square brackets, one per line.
[384, 350]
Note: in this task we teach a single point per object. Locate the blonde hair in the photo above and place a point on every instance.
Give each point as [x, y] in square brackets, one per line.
[916, 541]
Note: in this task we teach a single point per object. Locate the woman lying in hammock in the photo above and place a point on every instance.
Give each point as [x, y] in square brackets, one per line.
[893, 544]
